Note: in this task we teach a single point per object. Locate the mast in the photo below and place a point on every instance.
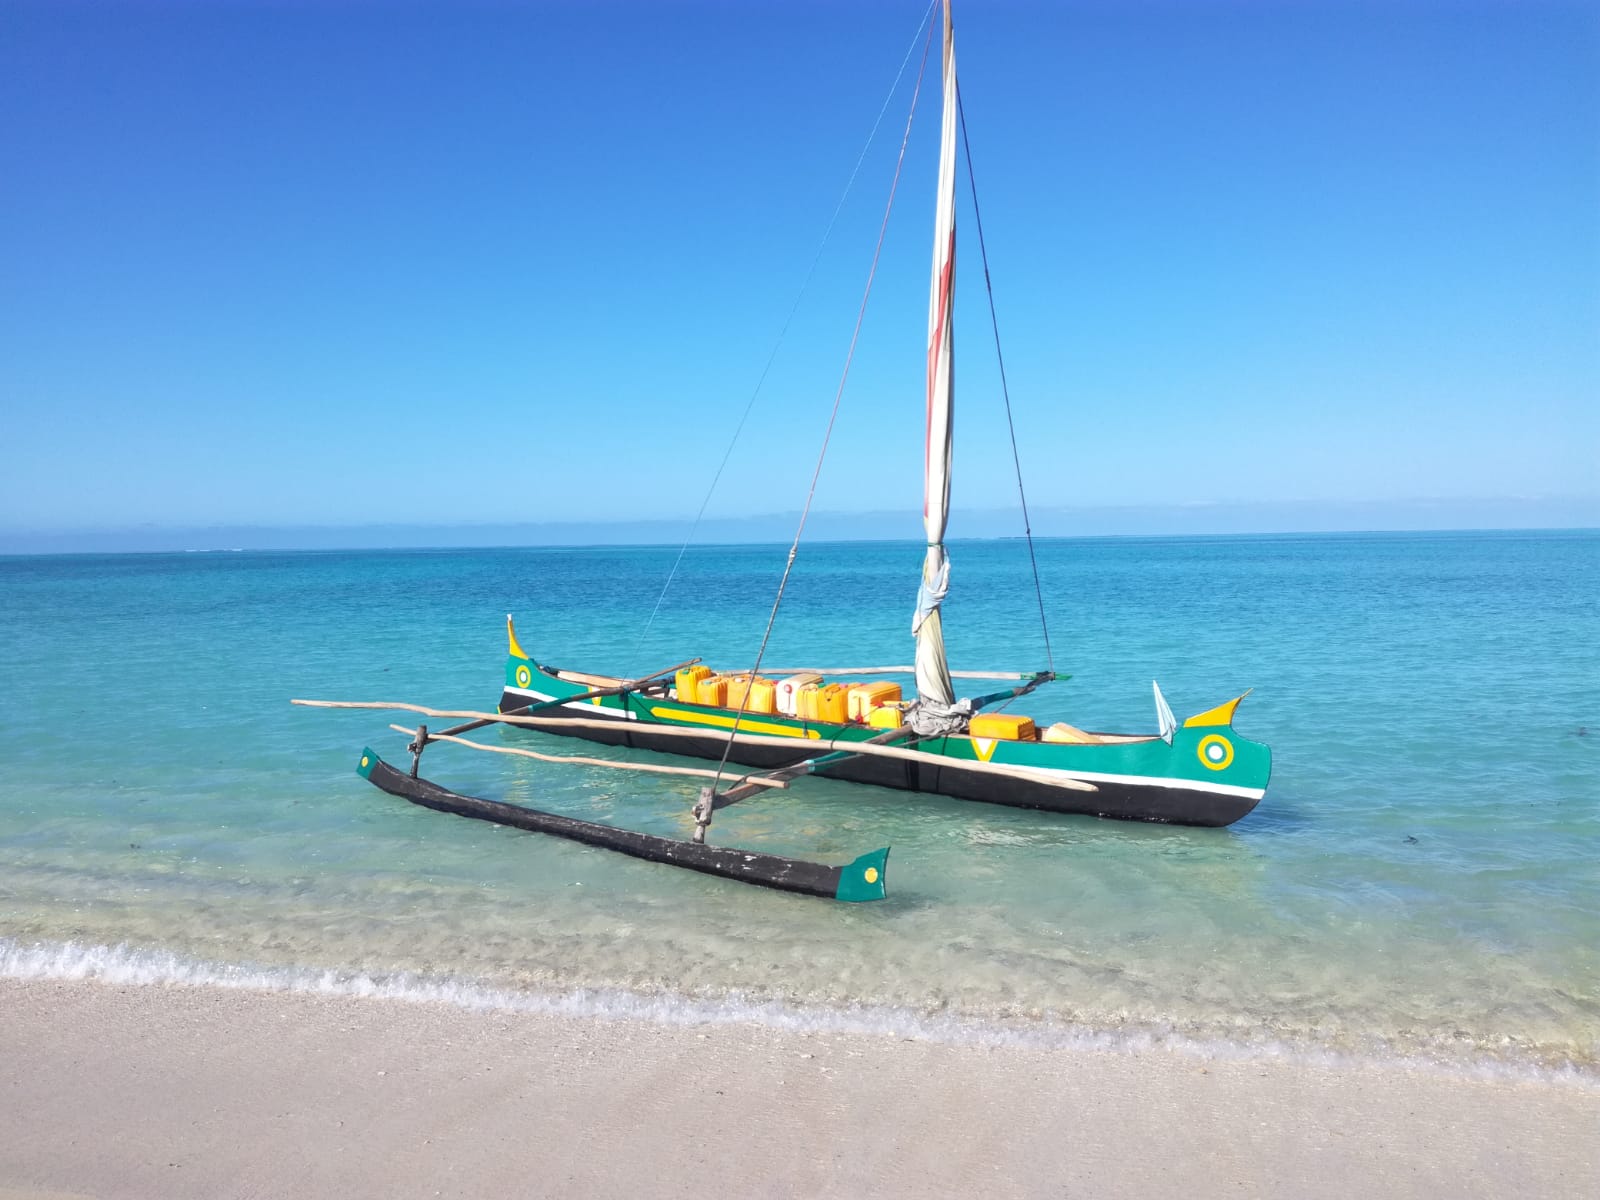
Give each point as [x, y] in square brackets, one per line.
[933, 671]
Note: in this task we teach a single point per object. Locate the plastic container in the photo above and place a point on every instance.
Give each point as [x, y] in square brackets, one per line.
[1067, 735]
[864, 697]
[805, 701]
[833, 704]
[885, 716]
[763, 695]
[788, 693]
[738, 685]
[688, 681]
[1007, 726]
[713, 690]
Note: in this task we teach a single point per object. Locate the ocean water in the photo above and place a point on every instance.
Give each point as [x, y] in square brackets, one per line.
[1420, 881]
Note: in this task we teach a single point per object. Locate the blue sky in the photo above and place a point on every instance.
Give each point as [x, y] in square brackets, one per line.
[340, 264]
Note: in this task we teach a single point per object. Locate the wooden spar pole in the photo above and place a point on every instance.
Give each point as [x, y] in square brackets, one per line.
[627, 685]
[579, 760]
[535, 706]
[557, 724]
[1036, 681]
[711, 799]
[749, 785]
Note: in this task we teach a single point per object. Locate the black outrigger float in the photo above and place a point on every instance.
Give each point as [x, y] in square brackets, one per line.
[862, 879]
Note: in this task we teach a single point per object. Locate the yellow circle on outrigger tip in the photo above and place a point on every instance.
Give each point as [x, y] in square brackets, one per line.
[524, 677]
[872, 874]
[1215, 752]
[365, 760]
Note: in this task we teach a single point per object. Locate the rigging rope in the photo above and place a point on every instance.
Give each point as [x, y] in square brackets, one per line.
[1005, 391]
[833, 416]
[783, 331]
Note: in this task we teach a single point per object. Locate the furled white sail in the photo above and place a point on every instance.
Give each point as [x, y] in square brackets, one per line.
[933, 671]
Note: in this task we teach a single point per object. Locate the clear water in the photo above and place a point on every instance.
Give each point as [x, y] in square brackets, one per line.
[1421, 878]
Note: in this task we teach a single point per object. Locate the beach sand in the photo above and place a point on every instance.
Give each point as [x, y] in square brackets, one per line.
[110, 1091]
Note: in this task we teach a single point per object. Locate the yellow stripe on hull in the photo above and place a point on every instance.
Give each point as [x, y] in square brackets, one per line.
[746, 725]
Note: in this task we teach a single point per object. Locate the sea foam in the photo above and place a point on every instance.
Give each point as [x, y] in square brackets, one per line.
[125, 965]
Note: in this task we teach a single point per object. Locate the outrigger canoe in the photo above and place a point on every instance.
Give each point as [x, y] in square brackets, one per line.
[1197, 772]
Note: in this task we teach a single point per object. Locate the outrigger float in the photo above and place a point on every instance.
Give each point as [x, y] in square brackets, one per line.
[793, 722]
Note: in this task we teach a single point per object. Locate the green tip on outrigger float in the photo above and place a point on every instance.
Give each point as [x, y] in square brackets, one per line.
[864, 879]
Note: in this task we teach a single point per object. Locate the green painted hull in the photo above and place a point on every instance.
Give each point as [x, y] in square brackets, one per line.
[1209, 774]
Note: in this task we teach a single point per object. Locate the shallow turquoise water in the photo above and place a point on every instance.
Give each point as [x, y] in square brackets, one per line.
[1421, 877]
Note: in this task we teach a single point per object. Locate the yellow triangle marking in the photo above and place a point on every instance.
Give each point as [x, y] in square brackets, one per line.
[984, 747]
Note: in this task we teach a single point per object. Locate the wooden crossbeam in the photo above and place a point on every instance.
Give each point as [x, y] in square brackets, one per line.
[568, 724]
[581, 760]
[750, 785]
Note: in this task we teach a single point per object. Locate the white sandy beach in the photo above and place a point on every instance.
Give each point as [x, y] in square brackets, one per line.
[192, 1091]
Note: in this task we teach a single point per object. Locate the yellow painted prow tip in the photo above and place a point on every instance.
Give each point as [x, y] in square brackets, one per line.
[511, 637]
[1222, 714]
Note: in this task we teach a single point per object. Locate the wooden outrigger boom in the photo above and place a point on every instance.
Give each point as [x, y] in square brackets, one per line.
[564, 724]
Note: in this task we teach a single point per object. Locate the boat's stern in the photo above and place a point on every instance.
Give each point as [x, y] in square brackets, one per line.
[1209, 750]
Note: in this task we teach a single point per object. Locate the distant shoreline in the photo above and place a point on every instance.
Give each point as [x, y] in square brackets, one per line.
[378, 538]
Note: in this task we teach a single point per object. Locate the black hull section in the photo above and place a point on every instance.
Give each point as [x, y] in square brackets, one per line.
[1113, 800]
[764, 870]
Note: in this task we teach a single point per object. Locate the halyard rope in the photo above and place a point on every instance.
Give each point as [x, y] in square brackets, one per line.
[1005, 391]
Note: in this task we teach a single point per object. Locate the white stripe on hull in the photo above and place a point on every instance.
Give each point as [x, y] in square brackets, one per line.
[1163, 781]
[583, 706]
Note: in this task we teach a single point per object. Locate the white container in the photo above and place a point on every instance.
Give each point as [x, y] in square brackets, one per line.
[789, 688]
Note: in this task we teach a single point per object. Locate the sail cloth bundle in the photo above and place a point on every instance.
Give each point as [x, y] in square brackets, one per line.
[936, 713]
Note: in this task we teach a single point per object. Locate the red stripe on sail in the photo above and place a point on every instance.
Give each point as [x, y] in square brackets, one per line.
[934, 345]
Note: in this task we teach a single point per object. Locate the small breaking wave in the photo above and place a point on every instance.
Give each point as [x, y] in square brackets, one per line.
[130, 966]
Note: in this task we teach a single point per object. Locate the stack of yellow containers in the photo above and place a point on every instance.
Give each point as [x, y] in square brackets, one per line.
[864, 697]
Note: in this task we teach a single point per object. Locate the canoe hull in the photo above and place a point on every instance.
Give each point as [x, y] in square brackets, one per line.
[1117, 795]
